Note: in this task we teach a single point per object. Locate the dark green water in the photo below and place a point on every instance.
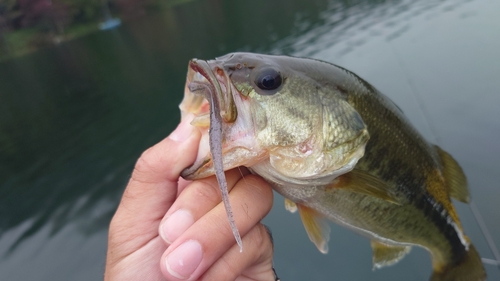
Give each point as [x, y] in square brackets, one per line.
[74, 118]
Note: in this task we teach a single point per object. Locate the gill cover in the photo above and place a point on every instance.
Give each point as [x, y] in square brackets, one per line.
[306, 125]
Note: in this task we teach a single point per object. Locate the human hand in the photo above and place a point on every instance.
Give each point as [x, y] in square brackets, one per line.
[166, 228]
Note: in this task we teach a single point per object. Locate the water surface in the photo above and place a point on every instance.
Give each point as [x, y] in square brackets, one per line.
[74, 118]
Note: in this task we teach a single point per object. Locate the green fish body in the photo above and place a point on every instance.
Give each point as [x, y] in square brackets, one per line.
[336, 149]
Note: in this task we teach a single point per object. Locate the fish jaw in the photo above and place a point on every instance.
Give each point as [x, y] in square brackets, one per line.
[239, 143]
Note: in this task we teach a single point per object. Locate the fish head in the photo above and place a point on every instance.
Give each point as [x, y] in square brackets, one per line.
[281, 111]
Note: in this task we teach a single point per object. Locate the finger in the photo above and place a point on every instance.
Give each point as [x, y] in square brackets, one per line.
[195, 201]
[153, 185]
[182, 183]
[256, 264]
[210, 237]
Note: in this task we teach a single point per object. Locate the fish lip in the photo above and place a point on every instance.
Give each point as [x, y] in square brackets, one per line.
[224, 99]
[189, 173]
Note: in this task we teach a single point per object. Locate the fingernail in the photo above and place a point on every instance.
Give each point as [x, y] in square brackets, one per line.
[185, 259]
[175, 225]
[183, 130]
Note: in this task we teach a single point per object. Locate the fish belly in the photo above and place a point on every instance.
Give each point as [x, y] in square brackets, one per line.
[372, 217]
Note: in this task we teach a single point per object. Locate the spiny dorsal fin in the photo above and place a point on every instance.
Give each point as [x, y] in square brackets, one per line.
[385, 255]
[454, 177]
[316, 227]
[362, 182]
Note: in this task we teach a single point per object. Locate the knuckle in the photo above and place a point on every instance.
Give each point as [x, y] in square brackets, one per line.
[260, 242]
[264, 242]
[144, 163]
[258, 237]
[149, 163]
[262, 238]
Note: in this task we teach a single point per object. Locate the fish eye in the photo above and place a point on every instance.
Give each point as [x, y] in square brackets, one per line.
[268, 79]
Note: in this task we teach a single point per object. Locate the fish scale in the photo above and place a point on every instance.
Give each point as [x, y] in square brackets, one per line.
[338, 149]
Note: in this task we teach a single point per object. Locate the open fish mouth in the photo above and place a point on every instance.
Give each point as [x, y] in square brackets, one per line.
[214, 93]
[212, 82]
[210, 95]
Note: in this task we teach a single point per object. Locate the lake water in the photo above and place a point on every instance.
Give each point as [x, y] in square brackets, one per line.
[75, 117]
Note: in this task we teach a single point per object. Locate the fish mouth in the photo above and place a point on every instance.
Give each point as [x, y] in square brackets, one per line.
[202, 86]
[213, 99]
[213, 85]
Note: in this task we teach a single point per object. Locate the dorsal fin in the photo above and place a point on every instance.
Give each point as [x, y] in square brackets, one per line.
[455, 180]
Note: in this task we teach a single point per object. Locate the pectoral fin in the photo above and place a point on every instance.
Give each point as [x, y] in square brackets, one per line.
[290, 206]
[385, 255]
[454, 176]
[365, 183]
[316, 227]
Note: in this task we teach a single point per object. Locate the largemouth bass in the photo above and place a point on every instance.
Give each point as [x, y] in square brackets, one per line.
[336, 149]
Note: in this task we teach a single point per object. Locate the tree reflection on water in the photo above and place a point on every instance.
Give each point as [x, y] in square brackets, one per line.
[75, 115]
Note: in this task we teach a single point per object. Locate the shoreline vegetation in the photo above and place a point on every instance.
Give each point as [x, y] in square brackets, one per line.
[30, 25]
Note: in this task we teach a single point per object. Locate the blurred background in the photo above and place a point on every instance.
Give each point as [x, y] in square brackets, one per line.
[86, 86]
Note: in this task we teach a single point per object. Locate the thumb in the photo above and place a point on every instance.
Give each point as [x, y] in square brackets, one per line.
[153, 185]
